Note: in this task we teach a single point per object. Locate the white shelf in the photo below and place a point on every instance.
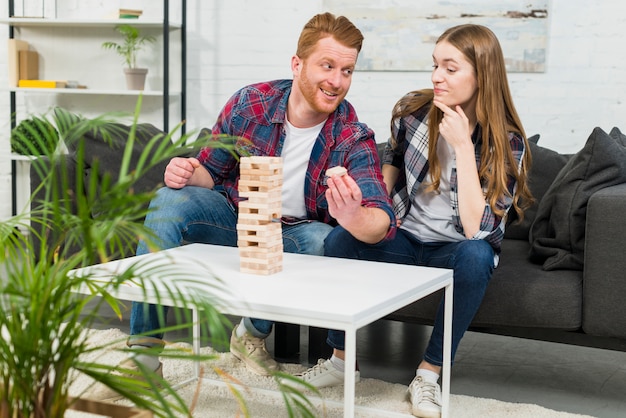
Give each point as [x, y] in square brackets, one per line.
[32, 22]
[20, 157]
[93, 91]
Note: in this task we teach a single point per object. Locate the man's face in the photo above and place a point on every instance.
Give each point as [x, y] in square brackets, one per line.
[324, 77]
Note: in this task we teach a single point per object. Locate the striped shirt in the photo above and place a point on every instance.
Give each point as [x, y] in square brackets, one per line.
[411, 157]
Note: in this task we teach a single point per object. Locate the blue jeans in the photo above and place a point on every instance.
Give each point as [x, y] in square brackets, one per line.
[471, 260]
[199, 215]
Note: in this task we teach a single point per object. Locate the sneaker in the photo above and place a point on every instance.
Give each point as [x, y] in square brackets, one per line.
[425, 398]
[251, 350]
[127, 369]
[324, 375]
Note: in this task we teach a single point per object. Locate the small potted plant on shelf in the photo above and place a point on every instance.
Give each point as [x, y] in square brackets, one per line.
[134, 41]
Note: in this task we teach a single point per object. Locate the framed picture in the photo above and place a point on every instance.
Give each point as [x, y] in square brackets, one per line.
[400, 34]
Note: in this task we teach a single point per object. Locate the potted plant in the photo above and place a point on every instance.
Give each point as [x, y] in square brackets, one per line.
[134, 41]
[44, 322]
[34, 136]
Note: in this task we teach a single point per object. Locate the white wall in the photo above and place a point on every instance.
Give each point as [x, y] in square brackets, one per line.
[235, 42]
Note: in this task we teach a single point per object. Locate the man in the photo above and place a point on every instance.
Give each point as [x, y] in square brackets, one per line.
[307, 122]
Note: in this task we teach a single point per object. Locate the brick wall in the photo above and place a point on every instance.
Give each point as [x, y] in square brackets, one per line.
[236, 42]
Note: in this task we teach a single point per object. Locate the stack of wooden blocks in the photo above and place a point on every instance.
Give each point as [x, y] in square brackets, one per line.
[259, 231]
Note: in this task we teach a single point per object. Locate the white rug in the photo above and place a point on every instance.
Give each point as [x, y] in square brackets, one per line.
[374, 398]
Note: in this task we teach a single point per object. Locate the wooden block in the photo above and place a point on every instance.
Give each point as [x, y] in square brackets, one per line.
[260, 270]
[261, 205]
[29, 65]
[253, 240]
[274, 253]
[259, 231]
[267, 229]
[257, 260]
[336, 171]
[269, 212]
[256, 218]
[270, 194]
[261, 161]
[262, 183]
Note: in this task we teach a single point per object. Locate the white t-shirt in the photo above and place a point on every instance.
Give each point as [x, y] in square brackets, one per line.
[430, 215]
[296, 154]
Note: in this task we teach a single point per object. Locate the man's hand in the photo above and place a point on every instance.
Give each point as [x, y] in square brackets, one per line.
[179, 171]
[344, 198]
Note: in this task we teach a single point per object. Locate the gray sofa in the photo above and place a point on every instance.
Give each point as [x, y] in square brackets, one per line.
[562, 272]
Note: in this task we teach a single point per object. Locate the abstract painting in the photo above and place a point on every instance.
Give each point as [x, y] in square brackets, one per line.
[400, 34]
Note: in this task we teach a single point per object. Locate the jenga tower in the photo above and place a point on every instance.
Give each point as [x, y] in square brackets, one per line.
[259, 232]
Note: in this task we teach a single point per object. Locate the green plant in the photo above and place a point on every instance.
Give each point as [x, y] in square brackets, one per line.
[133, 43]
[34, 136]
[43, 320]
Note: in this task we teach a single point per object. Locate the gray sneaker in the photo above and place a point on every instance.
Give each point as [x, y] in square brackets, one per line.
[127, 369]
[324, 375]
[251, 350]
[425, 398]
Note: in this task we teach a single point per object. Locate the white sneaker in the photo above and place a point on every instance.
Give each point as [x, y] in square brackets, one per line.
[425, 398]
[324, 375]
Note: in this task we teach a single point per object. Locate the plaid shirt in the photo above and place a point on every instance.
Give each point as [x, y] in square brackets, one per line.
[411, 157]
[256, 113]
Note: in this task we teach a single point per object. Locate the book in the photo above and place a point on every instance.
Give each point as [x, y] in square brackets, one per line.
[43, 84]
[14, 47]
[129, 13]
[29, 65]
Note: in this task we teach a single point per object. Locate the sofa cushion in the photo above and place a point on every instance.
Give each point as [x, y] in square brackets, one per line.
[520, 294]
[558, 231]
[546, 164]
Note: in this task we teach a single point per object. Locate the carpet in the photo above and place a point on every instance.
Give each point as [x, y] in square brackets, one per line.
[374, 398]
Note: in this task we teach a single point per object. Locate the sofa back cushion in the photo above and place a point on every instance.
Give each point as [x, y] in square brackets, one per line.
[558, 232]
[546, 164]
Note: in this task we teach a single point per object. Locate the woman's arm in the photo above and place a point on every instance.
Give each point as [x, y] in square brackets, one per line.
[390, 176]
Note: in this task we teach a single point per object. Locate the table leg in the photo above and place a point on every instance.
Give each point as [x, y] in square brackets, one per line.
[349, 383]
[447, 345]
[195, 331]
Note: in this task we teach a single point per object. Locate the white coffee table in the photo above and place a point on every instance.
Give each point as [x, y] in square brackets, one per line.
[356, 293]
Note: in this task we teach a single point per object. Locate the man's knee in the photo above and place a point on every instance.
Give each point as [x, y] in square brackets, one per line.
[335, 242]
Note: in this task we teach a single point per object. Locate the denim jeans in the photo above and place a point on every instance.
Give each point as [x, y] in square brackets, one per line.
[200, 215]
[471, 260]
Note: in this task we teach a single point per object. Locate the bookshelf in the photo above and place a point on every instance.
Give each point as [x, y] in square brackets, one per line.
[69, 46]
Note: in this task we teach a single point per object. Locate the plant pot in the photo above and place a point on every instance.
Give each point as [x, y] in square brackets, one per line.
[135, 78]
[109, 410]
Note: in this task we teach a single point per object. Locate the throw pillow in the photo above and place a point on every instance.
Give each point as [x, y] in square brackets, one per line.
[546, 164]
[557, 235]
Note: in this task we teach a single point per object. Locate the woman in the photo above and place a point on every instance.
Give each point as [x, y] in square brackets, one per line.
[455, 164]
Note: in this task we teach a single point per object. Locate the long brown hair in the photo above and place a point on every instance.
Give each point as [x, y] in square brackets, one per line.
[324, 25]
[495, 114]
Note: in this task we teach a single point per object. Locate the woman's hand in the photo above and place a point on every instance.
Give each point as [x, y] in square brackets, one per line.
[455, 126]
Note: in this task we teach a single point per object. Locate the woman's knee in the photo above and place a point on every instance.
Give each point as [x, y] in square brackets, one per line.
[475, 258]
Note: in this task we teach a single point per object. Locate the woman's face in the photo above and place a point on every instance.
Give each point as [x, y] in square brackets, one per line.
[454, 78]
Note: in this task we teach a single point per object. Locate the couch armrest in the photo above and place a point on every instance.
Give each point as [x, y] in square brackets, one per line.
[604, 287]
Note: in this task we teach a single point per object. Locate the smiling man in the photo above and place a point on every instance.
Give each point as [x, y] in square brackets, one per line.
[308, 123]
